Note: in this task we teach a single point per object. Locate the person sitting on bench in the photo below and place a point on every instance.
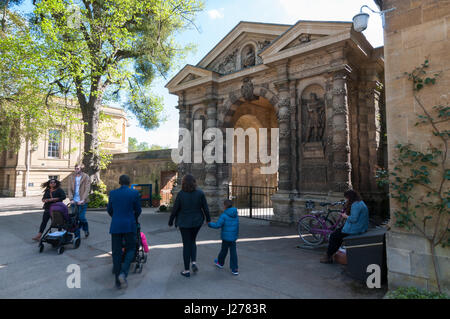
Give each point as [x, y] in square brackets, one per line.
[357, 222]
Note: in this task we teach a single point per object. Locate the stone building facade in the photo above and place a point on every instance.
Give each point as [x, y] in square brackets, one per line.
[319, 83]
[415, 31]
[23, 172]
[147, 167]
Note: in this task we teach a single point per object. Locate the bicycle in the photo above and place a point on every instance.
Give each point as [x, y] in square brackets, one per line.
[319, 224]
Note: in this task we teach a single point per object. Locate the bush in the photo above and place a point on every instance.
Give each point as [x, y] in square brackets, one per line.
[163, 208]
[156, 197]
[97, 200]
[414, 293]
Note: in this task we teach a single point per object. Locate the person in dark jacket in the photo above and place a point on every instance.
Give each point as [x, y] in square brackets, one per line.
[124, 206]
[189, 212]
[229, 222]
[53, 193]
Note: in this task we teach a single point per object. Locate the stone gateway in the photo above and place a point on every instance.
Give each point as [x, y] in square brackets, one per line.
[319, 83]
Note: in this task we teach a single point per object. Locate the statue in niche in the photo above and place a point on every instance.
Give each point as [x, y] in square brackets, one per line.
[249, 58]
[315, 108]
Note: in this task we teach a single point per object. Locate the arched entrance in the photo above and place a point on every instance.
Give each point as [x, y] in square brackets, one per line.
[249, 186]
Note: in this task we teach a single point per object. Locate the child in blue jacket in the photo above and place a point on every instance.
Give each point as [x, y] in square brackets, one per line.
[229, 222]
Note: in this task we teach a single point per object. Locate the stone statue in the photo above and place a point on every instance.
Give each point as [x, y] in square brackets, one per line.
[247, 90]
[249, 58]
[316, 119]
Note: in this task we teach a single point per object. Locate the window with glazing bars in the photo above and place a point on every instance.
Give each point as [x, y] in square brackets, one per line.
[54, 141]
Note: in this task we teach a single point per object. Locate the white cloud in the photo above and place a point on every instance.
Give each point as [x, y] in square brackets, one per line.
[216, 14]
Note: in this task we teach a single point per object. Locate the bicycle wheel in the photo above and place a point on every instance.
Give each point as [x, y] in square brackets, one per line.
[310, 230]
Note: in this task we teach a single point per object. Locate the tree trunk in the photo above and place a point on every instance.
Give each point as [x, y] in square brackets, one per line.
[91, 158]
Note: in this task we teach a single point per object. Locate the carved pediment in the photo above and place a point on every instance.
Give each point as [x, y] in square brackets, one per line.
[303, 39]
[239, 49]
[190, 77]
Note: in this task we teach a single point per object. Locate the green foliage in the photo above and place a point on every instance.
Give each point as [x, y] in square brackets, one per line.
[414, 293]
[156, 197]
[135, 146]
[98, 198]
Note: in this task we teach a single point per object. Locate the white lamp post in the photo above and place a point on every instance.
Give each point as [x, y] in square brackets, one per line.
[361, 20]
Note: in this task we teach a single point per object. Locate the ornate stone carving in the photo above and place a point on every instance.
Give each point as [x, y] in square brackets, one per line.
[304, 38]
[284, 114]
[247, 90]
[228, 65]
[315, 126]
[263, 44]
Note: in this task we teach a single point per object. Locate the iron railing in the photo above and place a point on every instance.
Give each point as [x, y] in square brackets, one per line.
[252, 201]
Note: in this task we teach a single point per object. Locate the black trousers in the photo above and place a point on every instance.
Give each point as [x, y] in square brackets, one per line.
[189, 236]
[336, 239]
[45, 219]
[117, 241]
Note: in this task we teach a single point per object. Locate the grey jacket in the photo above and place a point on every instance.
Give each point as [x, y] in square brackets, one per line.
[190, 209]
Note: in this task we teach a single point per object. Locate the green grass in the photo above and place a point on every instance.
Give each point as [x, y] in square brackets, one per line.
[414, 293]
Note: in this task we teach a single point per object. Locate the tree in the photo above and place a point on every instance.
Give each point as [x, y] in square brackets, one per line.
[111, 49]
[135, 146]
[23, 78]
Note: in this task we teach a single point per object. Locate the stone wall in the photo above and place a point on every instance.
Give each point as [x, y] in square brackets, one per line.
[142, 167]
[414, 32]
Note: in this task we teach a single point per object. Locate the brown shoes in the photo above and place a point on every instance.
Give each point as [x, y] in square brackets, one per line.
[326, 259]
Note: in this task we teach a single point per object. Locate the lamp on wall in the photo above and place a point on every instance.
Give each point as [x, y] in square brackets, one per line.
[361, 20]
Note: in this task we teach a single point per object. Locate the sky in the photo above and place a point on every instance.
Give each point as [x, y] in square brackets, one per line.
[220, 17]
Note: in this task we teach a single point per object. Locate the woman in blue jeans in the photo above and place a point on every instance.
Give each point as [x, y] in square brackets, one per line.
[356, 223]
[189, 212]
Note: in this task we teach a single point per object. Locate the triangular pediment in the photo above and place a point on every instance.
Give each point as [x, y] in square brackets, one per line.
[304, 33]
[240, 48]
[189, 76]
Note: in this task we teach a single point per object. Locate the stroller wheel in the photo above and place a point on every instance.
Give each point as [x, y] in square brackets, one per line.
[145, 258]
[76, 243]
[137, 267]
[60, 250]
[140, 268]
[41, 248]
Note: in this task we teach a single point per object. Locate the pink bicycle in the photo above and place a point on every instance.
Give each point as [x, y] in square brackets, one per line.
[317, 226]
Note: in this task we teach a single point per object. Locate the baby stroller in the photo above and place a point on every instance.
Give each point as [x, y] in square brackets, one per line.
[140, 253]
[140, 257]
[66, 225]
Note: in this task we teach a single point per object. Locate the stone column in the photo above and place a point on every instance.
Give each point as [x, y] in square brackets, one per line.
[341, 134]
[282, 200]
[211, 183]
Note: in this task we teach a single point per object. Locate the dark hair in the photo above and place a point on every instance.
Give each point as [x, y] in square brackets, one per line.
[227, 203]
[188, 184]
[352, 196]
[124, 180]
[46, 185]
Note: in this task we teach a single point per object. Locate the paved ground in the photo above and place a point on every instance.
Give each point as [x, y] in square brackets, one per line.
[270, 264]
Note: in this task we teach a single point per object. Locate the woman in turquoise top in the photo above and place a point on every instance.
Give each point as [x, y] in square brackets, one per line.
[356, 223]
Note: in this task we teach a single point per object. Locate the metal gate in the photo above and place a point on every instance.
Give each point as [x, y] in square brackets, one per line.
[252, 201]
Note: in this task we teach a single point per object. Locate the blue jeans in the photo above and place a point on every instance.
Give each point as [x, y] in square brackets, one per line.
[231, 245]
[117, 245]
[82, 217]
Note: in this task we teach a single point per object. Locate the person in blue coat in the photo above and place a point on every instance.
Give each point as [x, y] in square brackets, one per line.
[124, 206]
[229, 223]
[357, 222]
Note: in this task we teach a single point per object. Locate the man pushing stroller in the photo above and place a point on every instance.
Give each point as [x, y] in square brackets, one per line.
[124, 206]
